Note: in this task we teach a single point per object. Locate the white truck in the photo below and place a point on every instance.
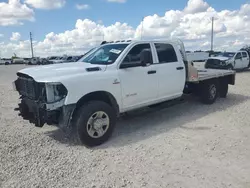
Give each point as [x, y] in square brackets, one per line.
[229, 60]
[115, 78]
[5, 61]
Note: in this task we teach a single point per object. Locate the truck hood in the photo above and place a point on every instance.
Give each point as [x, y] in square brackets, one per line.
[220, 58]
[50, 73]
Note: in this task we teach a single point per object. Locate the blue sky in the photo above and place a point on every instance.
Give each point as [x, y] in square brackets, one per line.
[131, 12]
[60, 28]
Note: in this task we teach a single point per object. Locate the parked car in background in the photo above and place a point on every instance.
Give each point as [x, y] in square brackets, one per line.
[18, 61]
[45, 61]
[53, 58]
[32, 61]
[228, 60]
[5, 61]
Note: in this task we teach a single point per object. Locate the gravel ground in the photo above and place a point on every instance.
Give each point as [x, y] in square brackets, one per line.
[190, 145]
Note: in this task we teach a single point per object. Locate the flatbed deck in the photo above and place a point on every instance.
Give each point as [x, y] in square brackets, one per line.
[205, 74]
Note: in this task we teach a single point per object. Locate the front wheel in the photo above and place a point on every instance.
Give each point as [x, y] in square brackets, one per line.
[230, 67]
[94, 123]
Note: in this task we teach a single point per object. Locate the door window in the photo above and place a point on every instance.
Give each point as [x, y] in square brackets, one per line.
[238, 56]
[134, 54]
[166, 53]
[244, 54]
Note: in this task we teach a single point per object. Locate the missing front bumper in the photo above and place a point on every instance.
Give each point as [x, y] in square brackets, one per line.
[37, 114]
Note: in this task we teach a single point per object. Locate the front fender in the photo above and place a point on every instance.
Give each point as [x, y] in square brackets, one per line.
[78, 89]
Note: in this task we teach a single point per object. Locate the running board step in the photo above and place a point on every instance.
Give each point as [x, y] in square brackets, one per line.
[170, 103]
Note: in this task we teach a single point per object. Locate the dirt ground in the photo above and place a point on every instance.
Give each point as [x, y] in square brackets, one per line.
[190, 145]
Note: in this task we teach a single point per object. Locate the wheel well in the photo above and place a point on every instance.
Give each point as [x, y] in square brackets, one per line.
[98, 96]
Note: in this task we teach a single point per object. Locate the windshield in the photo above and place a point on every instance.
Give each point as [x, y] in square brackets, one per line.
[104, 55]
[225, 54]
[88, 52]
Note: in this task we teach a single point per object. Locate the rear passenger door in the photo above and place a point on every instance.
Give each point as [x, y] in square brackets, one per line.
[245, 60]
[170, 71]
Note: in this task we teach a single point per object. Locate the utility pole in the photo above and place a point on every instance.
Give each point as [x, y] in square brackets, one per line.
[31, 45]
[212, 34]
[142, 27]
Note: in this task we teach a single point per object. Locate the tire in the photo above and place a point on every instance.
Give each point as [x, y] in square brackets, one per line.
[223, 89]
[7, 63]
[230, 67]
[86, 132]
[209, 92]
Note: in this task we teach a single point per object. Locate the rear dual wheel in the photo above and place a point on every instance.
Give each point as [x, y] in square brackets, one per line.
[210, 90]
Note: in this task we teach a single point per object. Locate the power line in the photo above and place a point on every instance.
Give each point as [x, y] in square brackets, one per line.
[31, 45]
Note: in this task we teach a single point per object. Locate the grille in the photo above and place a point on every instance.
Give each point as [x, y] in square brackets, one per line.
[26, 87]
[215, 62]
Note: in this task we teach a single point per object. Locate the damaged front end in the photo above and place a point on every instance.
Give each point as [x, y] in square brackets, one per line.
[42, 103]
[217, 64]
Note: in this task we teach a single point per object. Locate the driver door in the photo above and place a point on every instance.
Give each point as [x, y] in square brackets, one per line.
[238, 64]
[139, 84]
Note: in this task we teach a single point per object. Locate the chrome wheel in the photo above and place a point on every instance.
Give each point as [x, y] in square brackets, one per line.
[213, 91]
[98, 124]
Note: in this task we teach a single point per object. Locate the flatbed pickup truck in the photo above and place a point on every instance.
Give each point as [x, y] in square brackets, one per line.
[117, 77]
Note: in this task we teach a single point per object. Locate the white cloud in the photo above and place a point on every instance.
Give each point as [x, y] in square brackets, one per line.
[195, 6]
[13, 12]
[192, 25]
[46, 4]
[82, 6]
[15, 36]
[117, 1]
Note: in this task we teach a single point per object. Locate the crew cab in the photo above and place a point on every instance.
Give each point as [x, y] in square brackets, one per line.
[229, 60]
[114, 78]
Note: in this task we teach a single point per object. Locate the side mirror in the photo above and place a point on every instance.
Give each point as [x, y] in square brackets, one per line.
[145, 57]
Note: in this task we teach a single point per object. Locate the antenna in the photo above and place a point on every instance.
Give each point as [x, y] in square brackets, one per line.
[212, 34]
[142, 27]
[31, 45]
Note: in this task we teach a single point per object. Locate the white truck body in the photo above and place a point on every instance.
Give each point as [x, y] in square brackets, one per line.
[125, 75]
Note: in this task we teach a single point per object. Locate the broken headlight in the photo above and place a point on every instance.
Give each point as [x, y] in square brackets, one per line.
[55, 92]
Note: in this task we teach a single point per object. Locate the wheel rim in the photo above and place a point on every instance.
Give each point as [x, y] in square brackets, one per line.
[98, 124]
[212, 91]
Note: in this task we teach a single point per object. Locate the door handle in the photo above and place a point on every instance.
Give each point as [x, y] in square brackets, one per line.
[152, 72]
[179, 68]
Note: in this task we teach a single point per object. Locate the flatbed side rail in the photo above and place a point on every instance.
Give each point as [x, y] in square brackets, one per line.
[206, 74]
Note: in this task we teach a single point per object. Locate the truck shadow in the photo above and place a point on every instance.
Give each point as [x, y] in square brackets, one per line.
[145, 123]
[243, 71]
